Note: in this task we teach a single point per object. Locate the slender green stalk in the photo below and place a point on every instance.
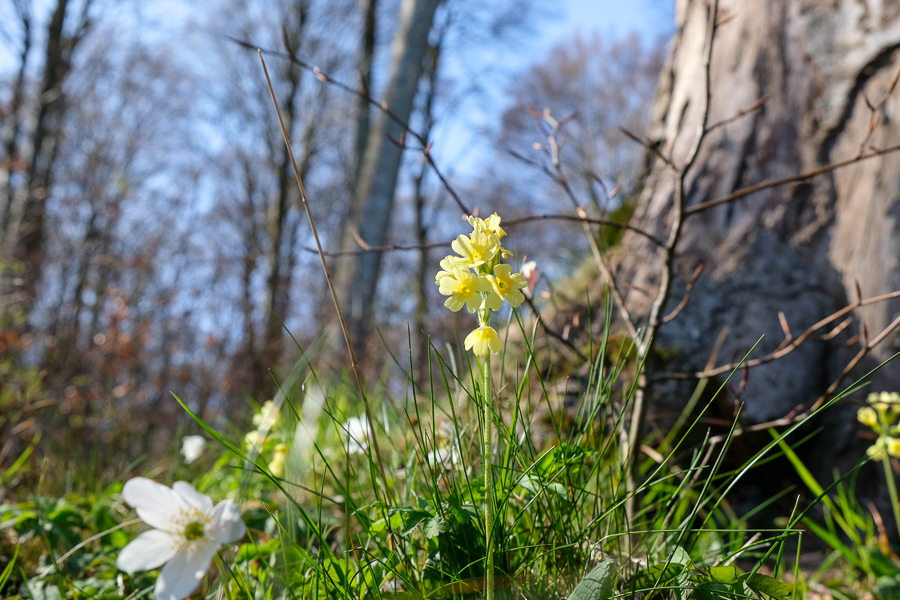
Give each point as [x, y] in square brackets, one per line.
[488, 480]
[892, 488]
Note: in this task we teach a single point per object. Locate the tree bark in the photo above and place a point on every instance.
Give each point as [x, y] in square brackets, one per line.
[373, 199]
[799, 249]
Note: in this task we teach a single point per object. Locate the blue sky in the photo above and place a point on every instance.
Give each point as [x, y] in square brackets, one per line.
[608, 17]
[460, 145]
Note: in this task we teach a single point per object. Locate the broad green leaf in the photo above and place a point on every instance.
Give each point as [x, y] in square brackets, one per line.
[729, 575]
[657, 575]
[887, 588]
[768, 585]
[599, 584]
[434, 526]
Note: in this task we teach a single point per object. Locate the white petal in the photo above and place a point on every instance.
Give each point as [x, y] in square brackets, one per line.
[155, 504]
[192, 496]
[147, 551]
[181, 576]
[225, 523]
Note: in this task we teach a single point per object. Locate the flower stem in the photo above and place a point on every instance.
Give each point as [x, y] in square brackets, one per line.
[892, 488]
[488, 480]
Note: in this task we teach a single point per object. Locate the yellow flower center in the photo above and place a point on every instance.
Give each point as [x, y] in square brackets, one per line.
[501, 284]
[193, 531]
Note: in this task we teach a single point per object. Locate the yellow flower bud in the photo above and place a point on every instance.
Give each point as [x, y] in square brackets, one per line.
[893, 446]
[876, 451]
[276, 466]
[867, 416]
[483, 340]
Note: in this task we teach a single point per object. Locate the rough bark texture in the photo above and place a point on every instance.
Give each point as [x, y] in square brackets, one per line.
[798, 249]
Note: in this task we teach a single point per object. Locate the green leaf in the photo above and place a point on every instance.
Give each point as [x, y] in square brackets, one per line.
[434, 526]
[599, 584]
[254, 551]
[657, 575]
[881, 565]
[768, 585]
[729, 575]
[680, 557]
[887, 588]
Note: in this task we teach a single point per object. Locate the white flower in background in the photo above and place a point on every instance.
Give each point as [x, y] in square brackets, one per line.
[357, 429]
[254, 442]
[187, 532]
[445, 457]
[267, 417]
[192, 447]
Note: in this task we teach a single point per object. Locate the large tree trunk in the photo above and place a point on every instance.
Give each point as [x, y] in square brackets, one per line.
[373, 199]
[800, 249]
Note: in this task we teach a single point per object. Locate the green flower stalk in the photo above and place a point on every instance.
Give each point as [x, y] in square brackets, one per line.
[882, 415]
[478, 280]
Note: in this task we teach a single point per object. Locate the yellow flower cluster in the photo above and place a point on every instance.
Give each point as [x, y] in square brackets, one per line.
[478, 280]
[881, 415]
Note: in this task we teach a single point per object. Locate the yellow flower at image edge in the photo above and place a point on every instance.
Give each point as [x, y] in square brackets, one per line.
[483, 340]
[187, 532]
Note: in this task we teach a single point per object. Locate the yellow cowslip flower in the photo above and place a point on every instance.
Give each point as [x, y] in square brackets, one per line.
[276, 466]
[893, 446]
[476, 249]
[483, 340]
[876, 450]
[491, 225]
[507, 284]
[867, 416]
[448, 263]
[887, 404]
[463, 288]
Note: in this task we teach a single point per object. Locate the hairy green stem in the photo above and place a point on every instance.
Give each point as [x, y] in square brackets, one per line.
[892, 488]
[487, 452]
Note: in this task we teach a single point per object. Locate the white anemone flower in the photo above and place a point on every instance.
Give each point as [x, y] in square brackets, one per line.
[357, 429]
[187, 532]
[192, 447]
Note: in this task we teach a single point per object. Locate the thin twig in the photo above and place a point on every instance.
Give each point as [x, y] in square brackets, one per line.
[785, 350]
[631, 439]
[325, 78]
[771, 183]
[687, 295]
[741, 113]
[604, 268]
[551, 332]
[337, 305]
[801, 412]
[365, 248]
[654, 148]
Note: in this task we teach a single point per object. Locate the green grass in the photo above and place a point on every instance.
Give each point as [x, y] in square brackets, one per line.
[336, 524]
